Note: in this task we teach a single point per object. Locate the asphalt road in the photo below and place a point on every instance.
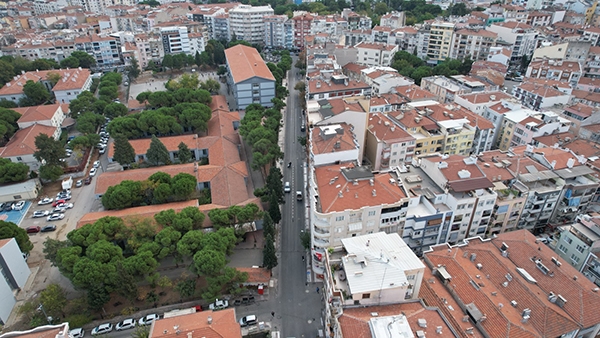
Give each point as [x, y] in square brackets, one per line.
[299, 305]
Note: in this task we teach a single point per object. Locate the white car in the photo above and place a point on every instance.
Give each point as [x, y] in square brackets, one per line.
[46, 200]
[96, 164]
[65, 205]
[102, 328]
[40, 213]
[93, 172]
[102, 151]
[126, 324]
[148, 319]
[219, 304]
[79, 183]
[58, 209]
[19, 205]
[248, 320]
[286, 187]
[77, 333]
[55, 217]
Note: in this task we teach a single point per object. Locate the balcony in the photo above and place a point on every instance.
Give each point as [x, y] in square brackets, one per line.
[321, 243]
[318, 233]
[321, 222]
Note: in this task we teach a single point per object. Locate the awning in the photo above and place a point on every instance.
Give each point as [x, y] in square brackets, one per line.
[470, 184]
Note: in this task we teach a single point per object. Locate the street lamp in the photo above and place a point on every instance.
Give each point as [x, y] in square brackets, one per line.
[48, 318]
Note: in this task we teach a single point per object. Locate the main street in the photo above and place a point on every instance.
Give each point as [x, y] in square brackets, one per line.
[299, 305]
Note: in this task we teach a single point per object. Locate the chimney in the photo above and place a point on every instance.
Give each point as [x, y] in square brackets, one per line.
[209, 320]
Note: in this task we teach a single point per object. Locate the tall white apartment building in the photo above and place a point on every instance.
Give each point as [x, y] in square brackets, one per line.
[521, 37]
[276, 31]
[175, 40]
[247, 22]
[435, 40]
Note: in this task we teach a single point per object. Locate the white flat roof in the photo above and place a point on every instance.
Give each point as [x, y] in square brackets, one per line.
[378, 261]
[422, 103]
[458, 123]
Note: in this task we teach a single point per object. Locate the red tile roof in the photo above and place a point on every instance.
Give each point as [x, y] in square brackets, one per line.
[456, 163]
[414, 92]
[245, 63]
[223, 324]
[37, 113]
[23, 141]
[141, 146]
[337, 140]
[385, 130]
[485, 97]
[354, 195]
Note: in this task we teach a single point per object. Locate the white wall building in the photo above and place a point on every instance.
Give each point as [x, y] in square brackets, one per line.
[175, 40]
[15, 272]
[247, 22]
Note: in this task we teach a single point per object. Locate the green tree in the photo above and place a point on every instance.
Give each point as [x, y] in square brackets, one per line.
[12, 172]
[186, 288]
[83, 103]
[48, 150]
[7, 71]
[167, 61]
[269, 253]
[183, 185]
[88, 123]
[274, 211]
[51, 247]
[53, 78]
[167, 238]
[11, 230]
[222, 70]
[305, 239]
[124, 153]
[134, 69]
[184, 153]
[54, 300]
[115, 109]
[85, 59]
[190, 243]
[35, 94]
[70, 62]
[51, 172]
[157, 154]
[97, 296]
[8, 123]
[208, 262]
[211, 86]
[113, 77]
[4, 103]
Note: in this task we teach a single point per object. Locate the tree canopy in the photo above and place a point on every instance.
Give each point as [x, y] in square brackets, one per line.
[10, 230]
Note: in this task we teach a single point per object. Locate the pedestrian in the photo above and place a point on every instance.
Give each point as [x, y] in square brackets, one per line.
[317, 289]
[273, 314]
[303, 258]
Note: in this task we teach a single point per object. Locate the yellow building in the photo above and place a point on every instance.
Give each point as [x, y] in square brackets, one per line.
[428, 137]
[589, 13]
[440, 39]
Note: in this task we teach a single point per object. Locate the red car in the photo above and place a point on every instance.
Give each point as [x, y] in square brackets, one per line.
[87, 181]
[57, 202]
[33, 229]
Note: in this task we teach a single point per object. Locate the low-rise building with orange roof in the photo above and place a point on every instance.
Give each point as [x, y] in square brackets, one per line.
[141, 146]
[579, 114]
[249, 77]
[521, 126]
[375, 54]
[468, 193]
[333, 143]
[370, 270]
[217, 324]
[553, 140]
[540, 295]
[586, 97]
[537, 96]
[477, 102]
[21, 147]
[414, 93]
[49, 115]
[350, 200]
[387, 144]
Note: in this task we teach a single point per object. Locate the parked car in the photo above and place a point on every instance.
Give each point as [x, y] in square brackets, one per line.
[55, 217]
[45, 200]
[18, 206]
[219, 304]
[65, 205]
[102, 151]
[79, 183]
[40, 213]
[49, 228]
[286, 187]
[65, 197]
[59, 201]
[126, 324]
[148, 319]
[102, 329]
[58, 209]
[87, 180]
[7, 206]
[33, 229]
[96, 164]
[77, 333]
[93, 172]
[248, 320]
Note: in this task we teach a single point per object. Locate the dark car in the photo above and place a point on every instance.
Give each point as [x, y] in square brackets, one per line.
[8, 206]
[33, 229]
[48, 228]
[87, 181]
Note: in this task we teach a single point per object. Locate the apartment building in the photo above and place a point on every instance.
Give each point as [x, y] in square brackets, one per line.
[356, 36]
[106, 50]
[429, 138]
[478, 102]
[407, 38]
[357, 271]
[387, 145]
[580, 186]
[336, 86]
[51, 115]
[383, 34]
[519, 127]
[518, 272]
[393, 20]
[302, 29]
[469, 194]
[249, 77]
[565, 71]
[375, 54]
[538, 95]
[539, 19]
[447, 88]
[472, 44]
[348, 200]
[578, 114]
[435, 40]
[330, 25]
[247, 22]
[521, 38]
[21, 147]
[333, 143]
[578, 243]
[279, 32]
[175, 40]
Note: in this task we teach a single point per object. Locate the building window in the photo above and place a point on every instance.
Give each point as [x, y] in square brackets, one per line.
[562, 249]
[568, 240]
[575, 259]
[366, 296]
[19, 158]
[339, 218]
[579, 248]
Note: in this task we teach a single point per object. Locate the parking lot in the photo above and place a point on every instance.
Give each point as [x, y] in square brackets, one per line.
[15, 216]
